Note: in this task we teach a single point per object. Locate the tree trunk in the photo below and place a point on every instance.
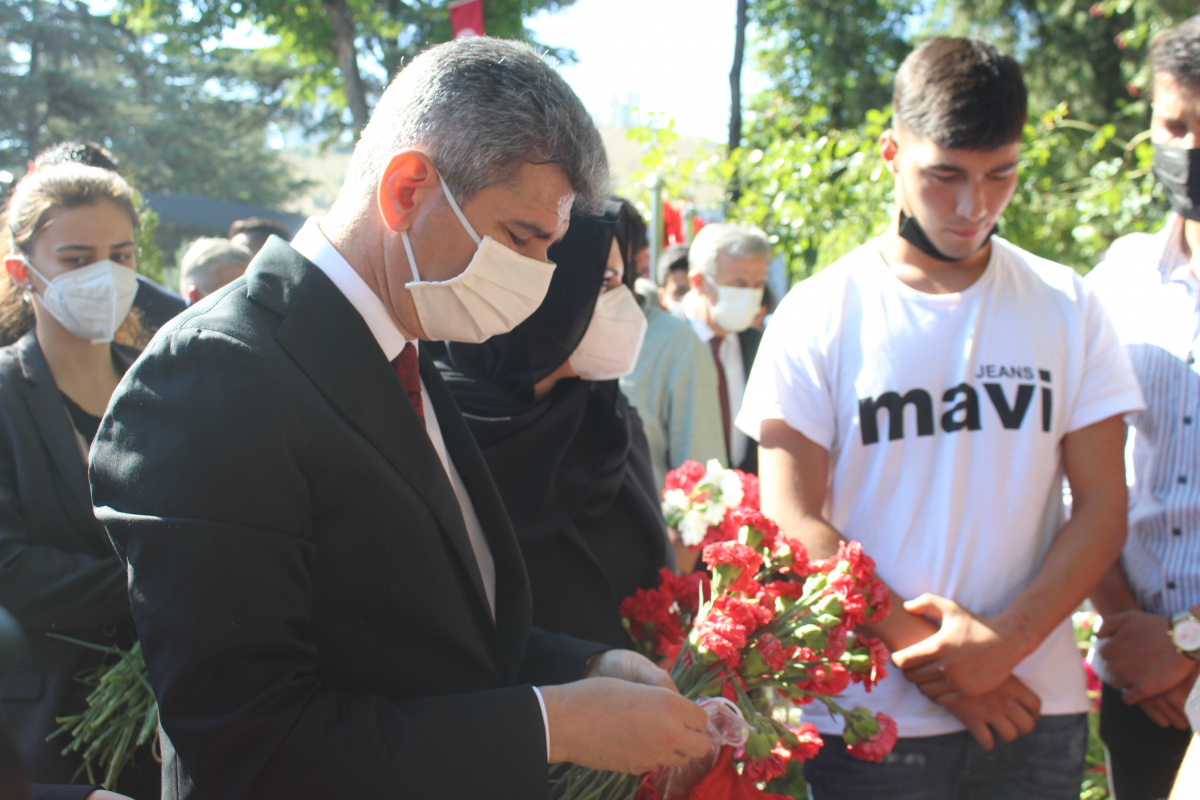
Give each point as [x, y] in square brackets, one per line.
[33, 124]
[347, 59]
[735, 94]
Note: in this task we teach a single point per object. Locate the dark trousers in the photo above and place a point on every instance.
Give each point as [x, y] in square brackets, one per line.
[1142, 757]
[1046, 764]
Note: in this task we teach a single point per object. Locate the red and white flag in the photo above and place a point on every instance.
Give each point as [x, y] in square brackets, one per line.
[466, 17]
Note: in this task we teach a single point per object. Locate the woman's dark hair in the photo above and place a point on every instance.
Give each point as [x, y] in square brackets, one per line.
[962, 94]
[631, 238]
[1176, 51]
[30, 207]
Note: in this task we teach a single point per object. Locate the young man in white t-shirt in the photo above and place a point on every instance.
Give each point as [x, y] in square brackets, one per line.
[925, 395]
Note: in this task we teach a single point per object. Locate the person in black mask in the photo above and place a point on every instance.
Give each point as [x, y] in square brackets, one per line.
[1150, 284]
[566, 449]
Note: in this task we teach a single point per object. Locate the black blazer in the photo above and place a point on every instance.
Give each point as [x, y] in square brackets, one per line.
[58, 571]
[309, 604]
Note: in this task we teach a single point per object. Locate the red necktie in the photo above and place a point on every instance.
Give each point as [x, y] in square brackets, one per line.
[409, 373]
[722, 386]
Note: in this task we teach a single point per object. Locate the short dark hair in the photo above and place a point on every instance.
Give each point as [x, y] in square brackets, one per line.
[670, 259]
[89, 154]
[1176, 51]
[263, 225]
[962, 94]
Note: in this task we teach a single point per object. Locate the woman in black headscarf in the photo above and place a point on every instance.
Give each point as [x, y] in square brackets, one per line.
[567, 452]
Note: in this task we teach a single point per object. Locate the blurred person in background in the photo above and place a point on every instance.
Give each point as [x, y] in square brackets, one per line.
[209, 264]
[673, 386]
[727, 274]
[253, 232]
[69, 335]
[672, 271]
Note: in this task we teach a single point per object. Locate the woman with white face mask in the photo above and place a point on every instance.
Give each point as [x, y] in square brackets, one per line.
[565, 448]
[65, 299]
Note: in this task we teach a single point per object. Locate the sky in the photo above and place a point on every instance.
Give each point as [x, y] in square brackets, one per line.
[673, 55]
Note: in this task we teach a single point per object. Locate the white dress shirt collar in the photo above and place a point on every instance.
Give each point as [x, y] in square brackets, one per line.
[312, 243]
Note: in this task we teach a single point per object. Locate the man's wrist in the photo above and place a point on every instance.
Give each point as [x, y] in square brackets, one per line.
[1184, 632]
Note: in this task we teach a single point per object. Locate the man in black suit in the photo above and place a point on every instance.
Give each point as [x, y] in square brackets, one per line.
[727, 271]
[329, 595]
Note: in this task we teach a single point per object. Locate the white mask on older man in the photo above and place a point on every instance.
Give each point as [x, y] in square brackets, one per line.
[494, 294]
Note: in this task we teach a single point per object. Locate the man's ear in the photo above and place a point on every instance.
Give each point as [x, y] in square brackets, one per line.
[192, 293]
[888, 148]
[406, 181]
[697, 281]
[18, 270]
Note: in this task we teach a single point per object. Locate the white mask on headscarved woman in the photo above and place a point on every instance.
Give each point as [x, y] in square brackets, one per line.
[494, 294]
[613, 339]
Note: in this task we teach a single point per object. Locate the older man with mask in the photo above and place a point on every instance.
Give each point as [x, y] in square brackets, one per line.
[328, 591]
[727, 270]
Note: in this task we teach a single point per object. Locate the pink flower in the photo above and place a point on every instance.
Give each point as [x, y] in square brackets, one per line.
[685, 477]
[879, 745]
[750, 493]
[827, 679]
[733, 554]
[809, 741]
[772, 652]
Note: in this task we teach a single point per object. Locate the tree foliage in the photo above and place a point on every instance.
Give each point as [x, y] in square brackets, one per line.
[810, 174]
[839, 57]
[382, 35]
[185, 123]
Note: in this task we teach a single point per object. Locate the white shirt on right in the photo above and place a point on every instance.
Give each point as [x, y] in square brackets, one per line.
[943, 416]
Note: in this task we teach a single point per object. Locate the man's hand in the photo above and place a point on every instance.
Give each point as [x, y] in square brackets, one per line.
[629, 666]
[1007, 711]
[1142, 660]
[612, 724]
[1167, 709]
[969, 655]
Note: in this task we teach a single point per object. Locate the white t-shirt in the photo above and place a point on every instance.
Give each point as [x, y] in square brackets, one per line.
[943, 417]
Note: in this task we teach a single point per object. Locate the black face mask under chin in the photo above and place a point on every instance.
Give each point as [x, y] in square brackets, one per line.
[911, 231]
[1178, 171]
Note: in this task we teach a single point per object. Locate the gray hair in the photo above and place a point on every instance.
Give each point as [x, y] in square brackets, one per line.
[206, 256]
[735, 241]
[479, 107]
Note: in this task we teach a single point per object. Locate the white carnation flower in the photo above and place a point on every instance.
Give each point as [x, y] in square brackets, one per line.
[714, 513]
[674, 501]
[731, 489]
[692, 529]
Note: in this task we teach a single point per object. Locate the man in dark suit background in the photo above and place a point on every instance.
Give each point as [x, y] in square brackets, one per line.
[727, 271]
[328, 592]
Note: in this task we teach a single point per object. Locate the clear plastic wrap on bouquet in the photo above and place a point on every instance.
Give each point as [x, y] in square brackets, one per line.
[726, 726]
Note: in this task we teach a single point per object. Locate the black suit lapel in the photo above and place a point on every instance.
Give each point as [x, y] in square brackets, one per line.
[513, 601]
[46, 407]
[331, 343]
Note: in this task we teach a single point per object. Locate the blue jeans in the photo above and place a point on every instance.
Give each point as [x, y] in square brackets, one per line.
[1046, 764]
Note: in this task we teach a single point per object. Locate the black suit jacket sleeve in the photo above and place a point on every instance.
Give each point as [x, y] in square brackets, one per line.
[57, 569]
[304, 618]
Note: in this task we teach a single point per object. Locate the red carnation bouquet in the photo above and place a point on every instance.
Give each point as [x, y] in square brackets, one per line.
[770, 623]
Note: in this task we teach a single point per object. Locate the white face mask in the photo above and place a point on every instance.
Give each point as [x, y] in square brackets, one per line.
[90, 302]
[613, 339]
[736, 306]
[494, 294]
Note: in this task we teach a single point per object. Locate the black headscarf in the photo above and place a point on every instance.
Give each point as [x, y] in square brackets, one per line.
[573, 468]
